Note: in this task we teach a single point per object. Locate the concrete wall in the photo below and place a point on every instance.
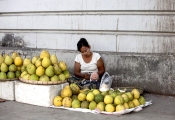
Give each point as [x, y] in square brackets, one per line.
[135, 37]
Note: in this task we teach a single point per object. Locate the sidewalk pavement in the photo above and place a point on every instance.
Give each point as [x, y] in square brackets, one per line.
[163, 108]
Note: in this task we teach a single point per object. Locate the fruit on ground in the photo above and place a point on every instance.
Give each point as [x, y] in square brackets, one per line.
[120, 108]
[85, 104]
[74, 97]
[135, 93]
[62, 65]
[3, 75]
[67, 102]
[81, 96]
[44, 78]
[114, 94]
[92, 105]
[101, 106]
[40, 71]
[31, 69]
[44, 54]
[125, 97]
[76, 103]
[4, 67]
[131, 104]
[8, 60]
[75, 89]
[126, 105]
[136, 102]
[10, 75]
[130, 95]
[54, 78]
[26, 62]
[118, 100]
[57, 101]
[141, 100]
[18, 61]
[108, 99]
[99, 98]
[90, 96]
[46, 62]
[12, 68]
[49, 71]
[66, 92]
[34, 77]
[95, 91]
[54, 59]
[109, 108]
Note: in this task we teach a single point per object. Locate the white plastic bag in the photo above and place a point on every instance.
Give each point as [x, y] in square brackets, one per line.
[106, 82]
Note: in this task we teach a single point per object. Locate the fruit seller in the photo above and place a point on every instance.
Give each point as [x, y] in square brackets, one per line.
[88, 65]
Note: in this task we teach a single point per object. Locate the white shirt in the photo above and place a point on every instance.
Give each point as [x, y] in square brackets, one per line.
[88, 67]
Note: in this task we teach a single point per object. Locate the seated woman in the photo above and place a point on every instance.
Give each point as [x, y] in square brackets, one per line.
[88, 65]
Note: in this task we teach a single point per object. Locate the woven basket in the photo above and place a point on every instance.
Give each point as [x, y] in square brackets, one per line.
[129, 89]
[4, 80]
[42, 82]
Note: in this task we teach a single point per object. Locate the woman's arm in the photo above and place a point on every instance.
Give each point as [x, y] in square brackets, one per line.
[101, 67]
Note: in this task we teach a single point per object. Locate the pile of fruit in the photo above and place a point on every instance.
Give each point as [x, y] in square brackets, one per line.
[44, 68]
[10, 66]
[110, 101]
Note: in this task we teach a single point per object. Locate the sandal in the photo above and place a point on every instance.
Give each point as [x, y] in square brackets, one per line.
[2, 100]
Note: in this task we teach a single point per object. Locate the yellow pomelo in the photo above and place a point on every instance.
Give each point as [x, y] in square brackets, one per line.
[44, 54]
[131, 104]
[81, 96]
[57, 70]
[135, 93]
[75, 89]
[136, 102]
[92, 105]
[57, 101]
[125, 97]
[76, 103]
[40, 71]
[108, 99]
[54, 59]
[23, 73]
[67, 102]
[90, 96]
[95, 91]
[26, 62]
[46, 62]
[130, 95]
[26, 76]
[1, 60]
[126, 105]
[118, 100]
[109, 108]
[101, 106]
[14, 55]
[66, 92]
[120, 108]
[4, 67]
[18, 61]
[62, 65]
[8, 60]
[38, 62]
[34, 59]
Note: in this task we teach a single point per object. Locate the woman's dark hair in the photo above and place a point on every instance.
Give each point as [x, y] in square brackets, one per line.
[82, 42]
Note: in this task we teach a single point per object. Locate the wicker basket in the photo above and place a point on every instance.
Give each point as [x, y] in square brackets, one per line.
[4, 80]
[129, 89]
[42, 82]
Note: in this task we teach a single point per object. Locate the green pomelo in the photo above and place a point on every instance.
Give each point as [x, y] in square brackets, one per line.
[23, 73]
[23, 68]
[62, 77]
[8, 60]
[54, 59]
[31, 69]
[34, 59]
[3, 75]
[26, 76]
[12, 68]
[4, 67]
[76, 103]
[99, 98]
[92, 105]
[17, 73]
[57, 70]
[54, 78]
[141, 100]
[66, 74]
[34, 77]
[10, 75]
[44, 78]
[49, 71]
[85, 104]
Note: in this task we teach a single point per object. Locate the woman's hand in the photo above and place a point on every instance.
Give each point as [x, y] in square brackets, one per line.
[94, 76]
[86, 76]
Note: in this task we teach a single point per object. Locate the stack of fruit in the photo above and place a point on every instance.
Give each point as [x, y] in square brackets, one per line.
[10, 66]
[44, 68]
[110, 101]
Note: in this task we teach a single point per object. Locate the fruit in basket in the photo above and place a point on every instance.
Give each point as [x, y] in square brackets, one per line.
[67, 102]
[135, 93]
[26, 62]
[44, 78]
[90, 96]
[131, 104]
[34, 59]
[99, 98]
[57, 101]
[49, 71]
[141, 100]
[92, 105]
[76, 103]
[1, 60]
[118, 100]
[18, 61]
[62, 65]
[109, 108]
[57, 70]
[108, 99]
[130, 95]
[62, 77]
[136, 102]
[4, 67]
[12, 68]
[10, 75]
[119, 108]
[34, 77]
[81, 97]
[54, 59]
[8, 60]
[101, 106]
[17, 73]
[23, 73]
[40, 71]
[14, 55]
[66, 92]
[31, 69]
[26, 76]
[44, 54]
[54, 78]
[46, 62]
[125, 97]
[75, 89]
[3, 75]
[38, 62]
[66, 74]
[85, 104]
[23, 68]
